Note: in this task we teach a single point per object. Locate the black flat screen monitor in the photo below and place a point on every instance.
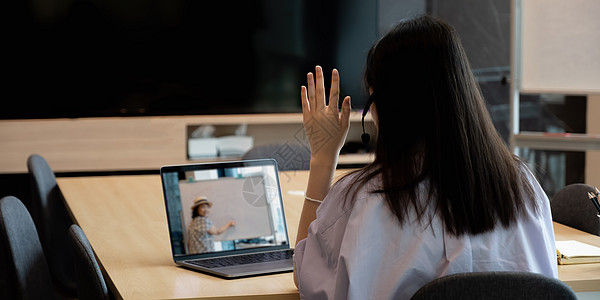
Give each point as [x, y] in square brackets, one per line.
[75, 58]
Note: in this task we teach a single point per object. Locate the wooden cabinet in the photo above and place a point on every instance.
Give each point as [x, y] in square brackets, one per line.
[135, 143]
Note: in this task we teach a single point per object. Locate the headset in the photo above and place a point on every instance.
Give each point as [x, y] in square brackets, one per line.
[365, 137]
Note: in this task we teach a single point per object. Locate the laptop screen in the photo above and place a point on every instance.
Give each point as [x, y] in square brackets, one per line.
[215, 208]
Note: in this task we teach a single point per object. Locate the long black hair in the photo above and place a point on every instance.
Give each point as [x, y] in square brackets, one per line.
[433, 124]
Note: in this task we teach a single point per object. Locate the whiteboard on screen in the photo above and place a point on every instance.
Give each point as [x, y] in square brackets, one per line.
[560, 46]
[230, 202]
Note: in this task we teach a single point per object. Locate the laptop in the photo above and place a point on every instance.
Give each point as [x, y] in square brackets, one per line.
[246, 193]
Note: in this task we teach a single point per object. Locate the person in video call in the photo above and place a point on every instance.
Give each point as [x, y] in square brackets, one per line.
[201, 231]
[443, 195]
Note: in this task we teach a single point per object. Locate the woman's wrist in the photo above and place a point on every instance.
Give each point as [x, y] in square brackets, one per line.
[323, 163]
[319, 179]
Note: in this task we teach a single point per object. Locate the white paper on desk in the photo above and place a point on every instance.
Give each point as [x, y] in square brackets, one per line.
[575, 249]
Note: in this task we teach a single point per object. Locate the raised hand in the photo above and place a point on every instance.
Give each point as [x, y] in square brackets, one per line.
[326, 129]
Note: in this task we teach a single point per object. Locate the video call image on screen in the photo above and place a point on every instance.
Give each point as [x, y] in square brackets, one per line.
[248, 196]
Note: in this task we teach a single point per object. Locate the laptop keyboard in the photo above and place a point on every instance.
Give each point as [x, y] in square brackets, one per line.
[228, 261]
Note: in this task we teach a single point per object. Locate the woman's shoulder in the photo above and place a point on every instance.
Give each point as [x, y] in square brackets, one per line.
[356, 182]
[344, 194]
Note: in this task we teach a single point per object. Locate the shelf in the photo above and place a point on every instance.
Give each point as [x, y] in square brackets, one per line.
[132, 143]
[558, 141]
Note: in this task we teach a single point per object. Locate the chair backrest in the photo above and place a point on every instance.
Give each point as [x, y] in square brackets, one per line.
[495, 285]
[23, 267]
[289, 156]
[52, 221]
[572, 206]
[90, 281]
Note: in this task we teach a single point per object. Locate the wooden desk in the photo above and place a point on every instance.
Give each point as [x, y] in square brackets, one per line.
[582, 277]
[125, 220]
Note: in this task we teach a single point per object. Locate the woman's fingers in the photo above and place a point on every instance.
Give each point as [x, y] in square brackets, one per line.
[345, 118]
[304, 99]
[313, 95]
[305, 105]
[310, 90]
[319, 88]
[334, 92]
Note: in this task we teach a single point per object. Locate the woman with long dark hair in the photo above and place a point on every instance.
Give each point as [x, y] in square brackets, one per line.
[444, 194]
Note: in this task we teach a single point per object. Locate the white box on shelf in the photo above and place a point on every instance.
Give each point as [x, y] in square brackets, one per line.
[202, 147]
[234, 145]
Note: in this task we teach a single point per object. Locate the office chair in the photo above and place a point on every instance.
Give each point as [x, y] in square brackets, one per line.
[289, 156]
[571, 206]
[52, 221]
[23, 268]
[90, 281]
[495, 285]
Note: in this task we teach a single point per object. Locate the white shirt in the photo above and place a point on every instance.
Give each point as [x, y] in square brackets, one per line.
[361, 252]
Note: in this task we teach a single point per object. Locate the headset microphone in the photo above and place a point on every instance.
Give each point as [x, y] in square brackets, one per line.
[365, 137]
